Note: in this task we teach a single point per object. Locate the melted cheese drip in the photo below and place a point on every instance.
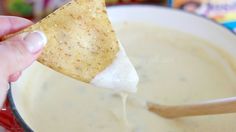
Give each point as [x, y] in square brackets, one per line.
[124, 97]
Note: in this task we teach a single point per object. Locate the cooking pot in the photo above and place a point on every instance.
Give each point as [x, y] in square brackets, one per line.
[12, 119]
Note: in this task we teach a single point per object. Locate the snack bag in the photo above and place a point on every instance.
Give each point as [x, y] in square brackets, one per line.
[222, 11]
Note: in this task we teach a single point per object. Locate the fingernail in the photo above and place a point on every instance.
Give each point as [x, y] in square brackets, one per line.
[35, 41]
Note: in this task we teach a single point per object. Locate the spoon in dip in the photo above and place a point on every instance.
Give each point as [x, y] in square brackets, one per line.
[217, 106]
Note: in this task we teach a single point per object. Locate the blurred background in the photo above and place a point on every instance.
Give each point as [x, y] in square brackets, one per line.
[221, 11]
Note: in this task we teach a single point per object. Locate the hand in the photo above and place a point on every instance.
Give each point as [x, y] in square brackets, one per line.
[18, 52]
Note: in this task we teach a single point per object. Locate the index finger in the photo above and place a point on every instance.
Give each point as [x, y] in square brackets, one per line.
[11, 24]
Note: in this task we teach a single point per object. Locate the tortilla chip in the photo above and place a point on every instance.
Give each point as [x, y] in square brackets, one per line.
[81, 41]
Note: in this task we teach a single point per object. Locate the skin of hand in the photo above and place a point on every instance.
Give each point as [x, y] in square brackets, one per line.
[18, 52]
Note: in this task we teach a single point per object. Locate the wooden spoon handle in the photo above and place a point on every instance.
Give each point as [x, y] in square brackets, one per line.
[219, 106]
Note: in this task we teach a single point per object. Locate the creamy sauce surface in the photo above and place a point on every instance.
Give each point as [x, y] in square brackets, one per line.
[173, 67]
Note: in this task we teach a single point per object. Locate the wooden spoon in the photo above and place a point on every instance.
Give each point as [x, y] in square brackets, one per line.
[218, 106]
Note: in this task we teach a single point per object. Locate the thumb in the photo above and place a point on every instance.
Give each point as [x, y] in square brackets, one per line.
[20, 51]
[16, 54]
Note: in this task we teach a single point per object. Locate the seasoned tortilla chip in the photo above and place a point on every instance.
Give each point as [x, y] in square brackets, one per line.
[81, 41]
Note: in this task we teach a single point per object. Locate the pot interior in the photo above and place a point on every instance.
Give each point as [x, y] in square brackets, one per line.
[180, 58]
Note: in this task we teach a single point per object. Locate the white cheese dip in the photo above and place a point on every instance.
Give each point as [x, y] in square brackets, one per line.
[173, 67]
[119, 76]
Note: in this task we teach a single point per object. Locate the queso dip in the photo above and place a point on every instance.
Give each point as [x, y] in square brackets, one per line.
[174, 68]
